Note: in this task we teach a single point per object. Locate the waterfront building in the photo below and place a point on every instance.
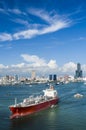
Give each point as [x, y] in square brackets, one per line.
[78, 72]
[7, 77]
[33, 75]
[50, 77]
[54, 77]
[16, 77]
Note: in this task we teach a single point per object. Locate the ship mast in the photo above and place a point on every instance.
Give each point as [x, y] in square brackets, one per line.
[15, 101]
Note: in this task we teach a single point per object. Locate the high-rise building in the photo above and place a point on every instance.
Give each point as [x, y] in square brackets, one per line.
[33, 75]
[78, 72]
[50, 77]
[54, 77]
[16, 77]
[7, 77]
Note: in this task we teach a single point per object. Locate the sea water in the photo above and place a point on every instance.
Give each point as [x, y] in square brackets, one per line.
[69, 114]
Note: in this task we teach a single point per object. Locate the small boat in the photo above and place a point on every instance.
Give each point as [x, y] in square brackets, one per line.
[78, 95]
[34, 104]
[85, 83]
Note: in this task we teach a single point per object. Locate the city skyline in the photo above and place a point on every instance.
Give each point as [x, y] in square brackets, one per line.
[42, 35]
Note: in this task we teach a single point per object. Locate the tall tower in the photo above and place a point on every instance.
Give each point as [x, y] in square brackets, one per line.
[50, 77]
[33, 75]
[78, 72]
[54, 77]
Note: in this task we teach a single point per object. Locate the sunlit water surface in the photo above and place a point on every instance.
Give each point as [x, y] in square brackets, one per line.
[69, 114]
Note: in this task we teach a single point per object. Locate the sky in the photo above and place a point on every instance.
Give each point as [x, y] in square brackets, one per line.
[48, 36]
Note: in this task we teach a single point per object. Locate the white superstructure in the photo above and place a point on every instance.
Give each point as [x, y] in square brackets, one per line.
[50, 92]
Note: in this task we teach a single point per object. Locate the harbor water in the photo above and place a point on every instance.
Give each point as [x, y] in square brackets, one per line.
[69, 114]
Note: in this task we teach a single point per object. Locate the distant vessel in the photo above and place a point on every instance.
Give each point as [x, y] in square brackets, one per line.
[78, 95]
[85, 83]
[34, 104]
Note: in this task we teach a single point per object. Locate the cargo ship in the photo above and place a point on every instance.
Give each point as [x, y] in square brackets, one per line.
[32, 104]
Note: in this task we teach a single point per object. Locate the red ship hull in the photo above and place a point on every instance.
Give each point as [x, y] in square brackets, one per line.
[23, 111]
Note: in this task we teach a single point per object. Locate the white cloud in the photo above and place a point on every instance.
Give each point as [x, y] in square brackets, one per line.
[81, 38]
[42, 14]
[54, 23]
[4, 11]
[40, 65]
[34, 60]
[5, 37]
[20, 21]
[84, 68]
[3, 69]
[52, 64]
[68, 67]
[3, 66]
[54, 27]
[25, 34]
[15, 11]
[51, 22]
[21, 65]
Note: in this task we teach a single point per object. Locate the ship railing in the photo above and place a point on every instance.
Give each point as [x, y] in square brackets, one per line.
[48, 98]
[29, 100]
[39, 99]
[18, 105]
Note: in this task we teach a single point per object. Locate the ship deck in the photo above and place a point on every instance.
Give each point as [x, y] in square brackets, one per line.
[31, 101]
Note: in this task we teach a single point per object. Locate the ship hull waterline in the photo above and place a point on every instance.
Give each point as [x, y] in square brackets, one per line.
[18, 112]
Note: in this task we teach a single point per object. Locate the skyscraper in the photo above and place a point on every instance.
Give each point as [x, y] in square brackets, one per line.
[54, 77]
[78, 72]
[50, 77]
[33, 75]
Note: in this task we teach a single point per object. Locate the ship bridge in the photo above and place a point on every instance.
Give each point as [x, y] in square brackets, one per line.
[50, 92]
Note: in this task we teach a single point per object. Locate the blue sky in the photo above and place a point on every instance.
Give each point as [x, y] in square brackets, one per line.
[45, 35]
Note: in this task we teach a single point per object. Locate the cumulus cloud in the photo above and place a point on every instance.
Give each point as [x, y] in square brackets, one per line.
[40, 65]
[84, 68]
[3, 66]
[34, 60]
[52, 64]
[49, 67]
[68, 67]
[21, 65]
